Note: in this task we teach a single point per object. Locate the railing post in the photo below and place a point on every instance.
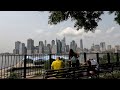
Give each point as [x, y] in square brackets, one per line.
[85, 57]
[50, 61]
[117, 57]
[97, 54]
[25, 58]
[108, 57]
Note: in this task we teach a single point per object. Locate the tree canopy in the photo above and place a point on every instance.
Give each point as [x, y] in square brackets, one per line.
[83, 19]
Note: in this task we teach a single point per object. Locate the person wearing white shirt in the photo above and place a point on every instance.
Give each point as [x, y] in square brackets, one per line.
[94, 62]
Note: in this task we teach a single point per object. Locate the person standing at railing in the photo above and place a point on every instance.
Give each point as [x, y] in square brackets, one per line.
[57, 64]
[73, 59]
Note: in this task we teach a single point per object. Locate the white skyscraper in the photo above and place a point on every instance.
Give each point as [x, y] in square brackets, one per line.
[54, 49]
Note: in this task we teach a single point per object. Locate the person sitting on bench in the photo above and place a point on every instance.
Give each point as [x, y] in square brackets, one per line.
[57, 64]
[90, 70]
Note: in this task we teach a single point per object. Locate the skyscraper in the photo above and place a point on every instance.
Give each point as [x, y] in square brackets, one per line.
[47, 49]
[117, 48]
[41, 47]
[30, 46]
[97, 48]
[81, 44]
[17, 47]
[52, 42]
[59, 45]
[54, 49]
[45, 43]
[102, 46]
[67, 48]
[109, 47]
[22, 48]
[63, 49]
[36, 50]
[73, 45]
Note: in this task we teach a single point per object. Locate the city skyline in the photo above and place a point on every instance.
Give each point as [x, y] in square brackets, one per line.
[21, 25]
[60, 47]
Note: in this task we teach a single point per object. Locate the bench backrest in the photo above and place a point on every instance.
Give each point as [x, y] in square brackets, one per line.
[65, 71]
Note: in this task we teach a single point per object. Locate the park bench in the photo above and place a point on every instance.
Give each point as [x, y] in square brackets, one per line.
[108, 68]
[67, 73]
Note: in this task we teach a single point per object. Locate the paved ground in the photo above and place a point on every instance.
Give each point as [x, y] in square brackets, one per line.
[36, 77]
[41, 77]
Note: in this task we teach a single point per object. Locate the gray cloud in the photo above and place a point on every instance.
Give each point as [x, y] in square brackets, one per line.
[110, 30]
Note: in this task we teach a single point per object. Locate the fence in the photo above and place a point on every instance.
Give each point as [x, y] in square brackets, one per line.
[30, 65]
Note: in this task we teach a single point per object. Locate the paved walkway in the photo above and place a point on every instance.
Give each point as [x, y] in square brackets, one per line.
[35, 77]
[41, 77]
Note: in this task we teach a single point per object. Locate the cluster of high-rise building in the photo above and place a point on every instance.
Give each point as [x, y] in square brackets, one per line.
[19, 48]
[103, 48]
[56, 47]
[60, 47]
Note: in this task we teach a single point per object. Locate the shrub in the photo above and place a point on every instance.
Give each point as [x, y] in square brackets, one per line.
[112, 75]
[47, 64]
[14, 75]
[29, 61]
[38, 62]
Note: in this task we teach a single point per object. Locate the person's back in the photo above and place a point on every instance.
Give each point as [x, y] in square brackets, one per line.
[57, 64]
[94, 62]
[73, 58]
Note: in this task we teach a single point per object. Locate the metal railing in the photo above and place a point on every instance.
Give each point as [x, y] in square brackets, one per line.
[31, 65]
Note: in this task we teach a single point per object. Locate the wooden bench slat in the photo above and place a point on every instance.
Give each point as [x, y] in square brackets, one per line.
[72, 71]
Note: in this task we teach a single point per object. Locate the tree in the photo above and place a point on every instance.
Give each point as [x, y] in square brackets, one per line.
[83, 19]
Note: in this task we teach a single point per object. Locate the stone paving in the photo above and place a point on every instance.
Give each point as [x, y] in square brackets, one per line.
[36, 77]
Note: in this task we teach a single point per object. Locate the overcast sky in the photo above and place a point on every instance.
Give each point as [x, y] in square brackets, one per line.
[21, 25]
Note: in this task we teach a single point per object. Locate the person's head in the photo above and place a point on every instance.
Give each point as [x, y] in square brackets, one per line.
[58, 58]
[88, 62]
[71, 51]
